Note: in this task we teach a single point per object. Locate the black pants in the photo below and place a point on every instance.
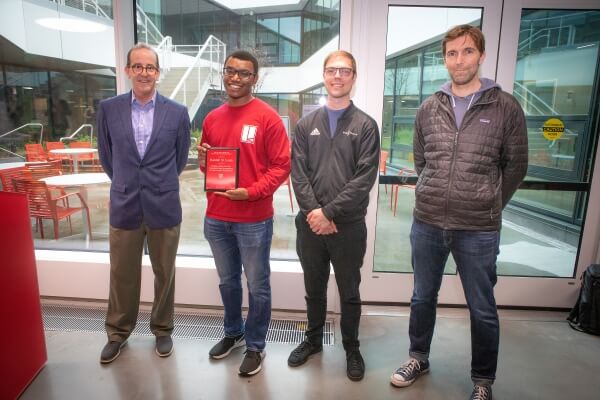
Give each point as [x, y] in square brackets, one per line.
[345, 250]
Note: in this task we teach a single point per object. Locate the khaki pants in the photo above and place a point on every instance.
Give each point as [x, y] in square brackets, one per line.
[126, 247]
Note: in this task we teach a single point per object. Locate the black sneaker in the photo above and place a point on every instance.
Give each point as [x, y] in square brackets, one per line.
[481, 392]
[408, 372]
[252, 362]
[301, 353]
[355, 365]
[164, 346]
[111, 351]
[226, 345]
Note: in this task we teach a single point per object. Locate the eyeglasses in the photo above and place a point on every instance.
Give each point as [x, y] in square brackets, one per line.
[242, 73]
[139, 68]
[344, 72]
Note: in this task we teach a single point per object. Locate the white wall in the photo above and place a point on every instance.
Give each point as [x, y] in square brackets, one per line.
[20, 23]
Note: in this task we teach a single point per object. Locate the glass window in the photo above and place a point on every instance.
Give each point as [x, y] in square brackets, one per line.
[414, 70]
[282, 41]
[556, 71]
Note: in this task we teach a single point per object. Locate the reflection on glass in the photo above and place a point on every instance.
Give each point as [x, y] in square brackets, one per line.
[61, 93]
[557, 55]
[278, 39]
[414, 70]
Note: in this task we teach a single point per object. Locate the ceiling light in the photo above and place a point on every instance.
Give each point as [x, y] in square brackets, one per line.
[71, 25]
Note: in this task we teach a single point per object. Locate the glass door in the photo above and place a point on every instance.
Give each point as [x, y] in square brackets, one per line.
[547, 57]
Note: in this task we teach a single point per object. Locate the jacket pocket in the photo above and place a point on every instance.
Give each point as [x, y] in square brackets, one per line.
[117, 187]
[168, 187]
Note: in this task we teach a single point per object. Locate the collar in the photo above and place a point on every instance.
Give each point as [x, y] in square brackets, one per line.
[152, 101]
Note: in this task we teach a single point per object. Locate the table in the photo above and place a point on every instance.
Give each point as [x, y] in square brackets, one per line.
[12, 165]
[74, 154]
[91, 178]
[79, 181]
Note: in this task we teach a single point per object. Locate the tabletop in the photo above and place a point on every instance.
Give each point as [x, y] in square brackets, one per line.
[90, 178]
[74, 151]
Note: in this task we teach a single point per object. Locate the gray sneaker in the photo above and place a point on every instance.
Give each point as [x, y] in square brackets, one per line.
[252, 362]
[226, 345]
[408, 372]
[481, 392]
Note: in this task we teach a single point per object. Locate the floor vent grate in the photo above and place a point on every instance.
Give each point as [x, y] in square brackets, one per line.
[187, 325]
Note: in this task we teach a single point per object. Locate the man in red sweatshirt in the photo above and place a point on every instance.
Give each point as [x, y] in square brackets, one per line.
[239, 222]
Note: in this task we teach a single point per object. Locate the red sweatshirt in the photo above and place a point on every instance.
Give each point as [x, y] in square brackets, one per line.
[257, 130]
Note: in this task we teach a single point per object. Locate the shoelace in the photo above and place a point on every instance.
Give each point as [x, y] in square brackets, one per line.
[300, 349]
[407, 369]
[253, 354]
[480, 393]
[354, 360]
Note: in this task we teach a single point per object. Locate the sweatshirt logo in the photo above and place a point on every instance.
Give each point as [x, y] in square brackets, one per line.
[349, 133]
[315, 132]
[248, 134]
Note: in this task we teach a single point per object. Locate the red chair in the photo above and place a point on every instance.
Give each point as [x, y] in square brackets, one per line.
[88, 160]
[63, 158]
[41, 170]
[7, 176]
[396, 187]
[43, 206]
[383, 156]
[35, 152]
[289, 185]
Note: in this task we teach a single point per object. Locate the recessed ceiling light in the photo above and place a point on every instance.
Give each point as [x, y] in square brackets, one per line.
[71, 25]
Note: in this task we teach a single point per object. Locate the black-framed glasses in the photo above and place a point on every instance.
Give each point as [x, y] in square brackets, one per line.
[344, 72]
[139, 68]
[242, 73]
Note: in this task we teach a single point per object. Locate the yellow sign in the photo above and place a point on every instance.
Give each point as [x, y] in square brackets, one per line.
[553, 129]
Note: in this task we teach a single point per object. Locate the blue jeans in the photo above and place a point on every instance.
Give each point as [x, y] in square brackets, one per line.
[475, 255]
[234, 244]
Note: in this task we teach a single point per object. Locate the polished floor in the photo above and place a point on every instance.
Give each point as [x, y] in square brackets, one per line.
[541, 357]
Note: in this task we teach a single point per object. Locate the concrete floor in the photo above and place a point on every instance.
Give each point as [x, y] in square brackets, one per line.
[541, 357]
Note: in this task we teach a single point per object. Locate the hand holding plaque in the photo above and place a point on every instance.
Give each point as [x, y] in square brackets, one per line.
[221, 171]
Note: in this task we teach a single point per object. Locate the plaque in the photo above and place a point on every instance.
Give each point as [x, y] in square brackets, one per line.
[221, 172]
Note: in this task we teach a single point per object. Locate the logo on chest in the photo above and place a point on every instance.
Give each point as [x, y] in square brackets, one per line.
[248, 134]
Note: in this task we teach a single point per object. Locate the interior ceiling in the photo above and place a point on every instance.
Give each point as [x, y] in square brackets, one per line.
[14, 55]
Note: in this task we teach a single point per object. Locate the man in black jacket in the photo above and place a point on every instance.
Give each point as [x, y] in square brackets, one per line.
[335, 158]
[470, 151]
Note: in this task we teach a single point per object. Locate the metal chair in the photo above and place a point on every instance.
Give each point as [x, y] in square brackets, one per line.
[43, 206]
[383, 156]
[63, 158]
[289, 185]
[7, 176]
[396, 187]
[87, 160]
[35, 152]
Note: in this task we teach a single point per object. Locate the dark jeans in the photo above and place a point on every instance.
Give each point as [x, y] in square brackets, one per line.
[475, 255]
[345, 250]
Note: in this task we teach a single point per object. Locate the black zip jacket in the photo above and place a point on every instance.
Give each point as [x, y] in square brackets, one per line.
[335, 174]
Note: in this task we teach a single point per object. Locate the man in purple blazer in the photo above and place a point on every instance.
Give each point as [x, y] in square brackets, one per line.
[143, 142]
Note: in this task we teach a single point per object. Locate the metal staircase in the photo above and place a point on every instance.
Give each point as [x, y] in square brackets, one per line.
[190, 83]
[187, 71]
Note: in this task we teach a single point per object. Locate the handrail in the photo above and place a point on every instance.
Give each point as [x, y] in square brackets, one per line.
[146, 22]
[16, 129]
[208, 47]
[70, 138]
[81, 5]
[165, 50]
[536, 97]
[23, 126]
